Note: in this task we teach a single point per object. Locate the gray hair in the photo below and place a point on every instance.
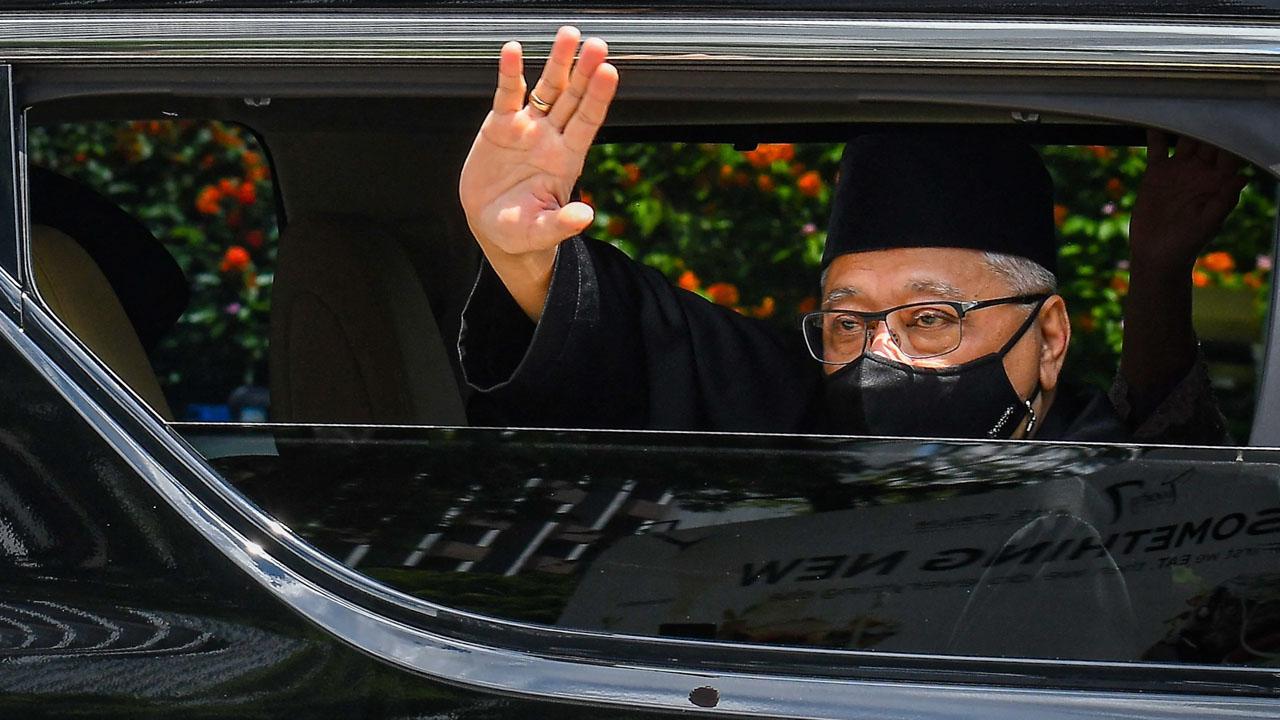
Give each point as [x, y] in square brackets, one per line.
[1024, 276]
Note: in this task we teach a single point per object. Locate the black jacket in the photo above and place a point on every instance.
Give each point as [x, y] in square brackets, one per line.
[619, 347]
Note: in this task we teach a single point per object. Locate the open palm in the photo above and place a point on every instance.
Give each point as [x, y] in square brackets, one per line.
[517, 179]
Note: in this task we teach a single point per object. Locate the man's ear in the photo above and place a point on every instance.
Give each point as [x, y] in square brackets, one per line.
[1055, 337]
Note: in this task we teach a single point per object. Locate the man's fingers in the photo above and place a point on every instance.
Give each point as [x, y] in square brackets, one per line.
[1207, 153]
[555, 74]
[575, 217]
[1226, 163]
[594, 51]
[552, 227]
[1186, 148]
[1157, 147]
[510, 94]
[581, 128]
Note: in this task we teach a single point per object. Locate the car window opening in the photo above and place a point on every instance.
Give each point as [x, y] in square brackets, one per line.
[350, 316]
[742, 225]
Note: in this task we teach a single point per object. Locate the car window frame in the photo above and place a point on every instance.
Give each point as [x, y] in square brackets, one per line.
[12, 187]
[481, 652]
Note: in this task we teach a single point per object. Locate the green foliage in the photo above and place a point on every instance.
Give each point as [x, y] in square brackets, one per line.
[751, 222]
[205, 191]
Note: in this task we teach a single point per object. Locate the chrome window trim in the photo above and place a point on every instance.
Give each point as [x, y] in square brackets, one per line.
[551, 674]
[421, 36]
[13, 187]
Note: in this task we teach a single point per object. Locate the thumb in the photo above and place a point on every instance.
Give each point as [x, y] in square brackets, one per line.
[552, 227]
[574, 218]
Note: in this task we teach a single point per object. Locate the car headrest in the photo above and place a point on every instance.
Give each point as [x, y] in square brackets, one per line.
[144, 276]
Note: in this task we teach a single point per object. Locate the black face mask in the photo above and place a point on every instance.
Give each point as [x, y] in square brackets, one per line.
[874, 395]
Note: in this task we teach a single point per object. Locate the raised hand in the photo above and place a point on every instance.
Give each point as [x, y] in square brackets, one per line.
[516, 182]
[1182, 202]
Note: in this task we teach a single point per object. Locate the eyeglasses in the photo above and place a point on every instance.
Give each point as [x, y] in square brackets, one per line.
[919, 330]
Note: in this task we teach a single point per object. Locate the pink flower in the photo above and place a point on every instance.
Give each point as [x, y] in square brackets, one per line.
[232, 309]
[809, 229]
[1264, 263]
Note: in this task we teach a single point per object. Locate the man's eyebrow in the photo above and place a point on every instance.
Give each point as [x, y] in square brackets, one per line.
[839, 294]
[936, 287]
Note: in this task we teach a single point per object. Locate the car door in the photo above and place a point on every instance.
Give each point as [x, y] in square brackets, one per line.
[407, 567]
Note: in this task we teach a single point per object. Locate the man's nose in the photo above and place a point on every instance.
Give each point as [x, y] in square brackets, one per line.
[883, 345]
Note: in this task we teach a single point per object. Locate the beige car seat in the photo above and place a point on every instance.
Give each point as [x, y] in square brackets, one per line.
[78, 293]
[353, 338]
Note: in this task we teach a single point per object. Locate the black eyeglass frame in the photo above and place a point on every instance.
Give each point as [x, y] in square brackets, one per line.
[962, 308]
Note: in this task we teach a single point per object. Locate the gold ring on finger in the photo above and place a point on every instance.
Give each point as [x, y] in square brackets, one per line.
[538, 102]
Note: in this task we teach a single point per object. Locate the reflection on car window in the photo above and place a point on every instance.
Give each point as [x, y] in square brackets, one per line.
[204, 198]
[1047, 551]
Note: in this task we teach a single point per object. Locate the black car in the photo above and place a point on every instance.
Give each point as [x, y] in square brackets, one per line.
[236, 473]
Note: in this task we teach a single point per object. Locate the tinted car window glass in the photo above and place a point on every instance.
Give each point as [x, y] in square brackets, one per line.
[1018, 550]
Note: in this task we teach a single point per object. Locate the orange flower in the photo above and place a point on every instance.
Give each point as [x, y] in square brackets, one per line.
[726, 173]
[228, 186]
[1219, 262]
[247, 194]
[1115, 189]
[226, 138]
[1251, 280]
[768, 153]
[258, 173]
[1102, 152]
[250, 159]
[208, 202]
[766, 308]
[1199, 278]
[587, 198]
[235, 259]
[631, 174]
[1085, 322]
[765, 183]
[1120, 284]
[254, 238]
[1060, 213]
[689, 281]
[723, 293]
[616, 226]
[807, 305]
[810, 183]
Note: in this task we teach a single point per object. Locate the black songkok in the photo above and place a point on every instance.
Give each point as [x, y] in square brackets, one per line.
[936, 189]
